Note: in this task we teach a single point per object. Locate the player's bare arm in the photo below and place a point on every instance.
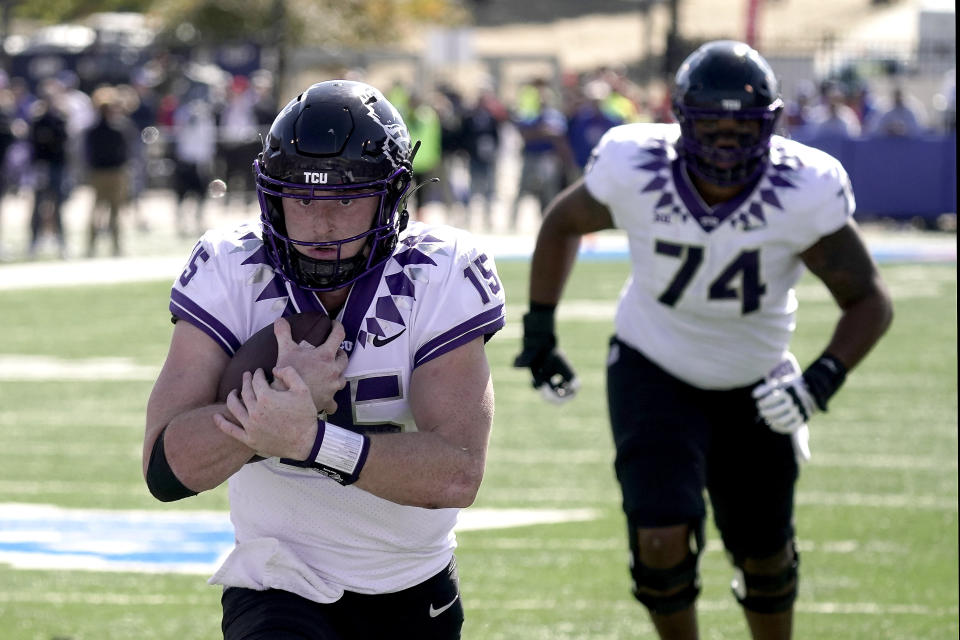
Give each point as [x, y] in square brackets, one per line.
[843, 263]
[441, 464]
[182, 405]
[438, 466]
[573, 214]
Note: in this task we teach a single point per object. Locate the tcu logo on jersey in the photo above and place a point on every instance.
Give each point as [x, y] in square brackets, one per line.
[314, 177]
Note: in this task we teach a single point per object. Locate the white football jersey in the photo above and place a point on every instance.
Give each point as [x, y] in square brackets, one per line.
[711, 295]
[298, 530]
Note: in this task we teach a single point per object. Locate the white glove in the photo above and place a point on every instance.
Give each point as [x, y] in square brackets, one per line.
[783, 399]
[785, 404]
[558, 389]
[800, 439]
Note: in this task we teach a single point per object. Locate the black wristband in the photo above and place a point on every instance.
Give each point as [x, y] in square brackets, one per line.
[824, 377]
[161, 480]
[540, 319]
[537, 307]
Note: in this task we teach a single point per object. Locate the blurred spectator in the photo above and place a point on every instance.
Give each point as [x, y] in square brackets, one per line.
[834, 118]
[448, 104]
[905, 117]
[423, 122]
[238, 137]
[864, 105]
[19, 156]
[77, 105]
[166, 109]
[23, 98]
[141, 105]
[945, 101]
[48, 145]
[80, 114]
[481, 139]
[107, 149]
[143, 111]
[195, 146]
[662, 105]
[399, 96]
[796, 112]
[264, 104]
[590, 121]
[621, 101]
[546, 155]
[7, 138]
[452, 189]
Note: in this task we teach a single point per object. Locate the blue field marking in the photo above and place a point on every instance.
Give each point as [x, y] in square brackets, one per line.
[913, 253]
[36, 536]
[42, 537]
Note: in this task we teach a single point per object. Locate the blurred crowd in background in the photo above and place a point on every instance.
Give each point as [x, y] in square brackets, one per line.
[123, 139]
[181, 128]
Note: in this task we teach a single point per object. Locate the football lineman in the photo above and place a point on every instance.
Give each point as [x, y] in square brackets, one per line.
[721, 217]
[346, 472]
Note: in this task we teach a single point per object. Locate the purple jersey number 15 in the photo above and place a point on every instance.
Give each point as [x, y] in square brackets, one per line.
[488, 281]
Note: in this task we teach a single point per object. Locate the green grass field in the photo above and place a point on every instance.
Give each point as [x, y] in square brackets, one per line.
[876, 514]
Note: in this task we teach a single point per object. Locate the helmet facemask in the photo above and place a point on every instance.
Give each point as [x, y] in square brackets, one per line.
[726, 166]
[327, 275]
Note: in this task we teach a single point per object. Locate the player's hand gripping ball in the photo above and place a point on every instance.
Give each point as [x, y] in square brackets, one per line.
[260, 351]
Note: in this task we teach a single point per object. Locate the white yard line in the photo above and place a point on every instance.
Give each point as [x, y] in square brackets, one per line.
[50, 368]
[29, 275]
[38, 275]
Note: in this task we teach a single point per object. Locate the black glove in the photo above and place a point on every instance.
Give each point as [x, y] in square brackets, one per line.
[552, 374]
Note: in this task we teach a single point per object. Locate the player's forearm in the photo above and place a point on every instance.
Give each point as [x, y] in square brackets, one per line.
[572, 214]
[553, 259]
[202, 456]
[860, 327]
[422, 470]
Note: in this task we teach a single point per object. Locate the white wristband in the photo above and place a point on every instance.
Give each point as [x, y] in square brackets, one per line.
[339, 453]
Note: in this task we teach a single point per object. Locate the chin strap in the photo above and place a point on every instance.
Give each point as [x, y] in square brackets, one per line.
[323, 273]
[406, 196]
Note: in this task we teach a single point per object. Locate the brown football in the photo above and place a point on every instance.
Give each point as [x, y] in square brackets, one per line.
[260, 351]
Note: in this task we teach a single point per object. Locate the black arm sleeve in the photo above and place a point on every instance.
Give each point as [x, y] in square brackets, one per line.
[162, 482]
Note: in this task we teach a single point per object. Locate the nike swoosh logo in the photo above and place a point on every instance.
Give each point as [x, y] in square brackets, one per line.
[435, 612]
[379, 342]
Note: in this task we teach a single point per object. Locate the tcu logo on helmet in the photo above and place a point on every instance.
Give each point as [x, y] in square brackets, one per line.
[314, 177]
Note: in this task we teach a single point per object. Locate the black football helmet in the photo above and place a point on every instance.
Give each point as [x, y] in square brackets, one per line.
[337, 140]
[726, 79]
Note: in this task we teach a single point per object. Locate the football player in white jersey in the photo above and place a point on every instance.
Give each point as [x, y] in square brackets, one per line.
[348, 466]
[721, 217]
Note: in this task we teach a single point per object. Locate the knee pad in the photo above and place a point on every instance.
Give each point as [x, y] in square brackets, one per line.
[766, 593]
[666, 591]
